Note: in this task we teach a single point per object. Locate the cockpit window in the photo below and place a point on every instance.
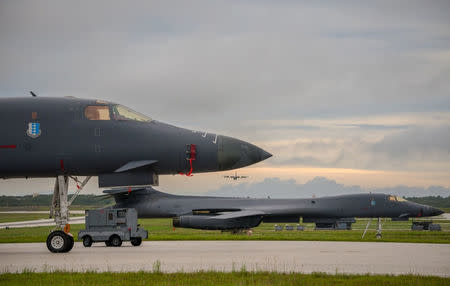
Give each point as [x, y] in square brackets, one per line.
[121, 112]
[396, 199]
[97, 112]
[391, 198]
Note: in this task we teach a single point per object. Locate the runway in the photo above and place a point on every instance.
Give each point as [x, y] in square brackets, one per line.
[282, 256]
[37, 212]
[39, 222]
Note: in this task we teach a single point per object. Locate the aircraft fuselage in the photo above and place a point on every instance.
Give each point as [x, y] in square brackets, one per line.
[46, 137]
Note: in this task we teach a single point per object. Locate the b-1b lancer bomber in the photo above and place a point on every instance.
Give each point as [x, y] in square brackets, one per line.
[223, 213]
[69, 137]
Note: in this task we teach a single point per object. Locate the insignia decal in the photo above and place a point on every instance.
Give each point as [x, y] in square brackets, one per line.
[34, 129]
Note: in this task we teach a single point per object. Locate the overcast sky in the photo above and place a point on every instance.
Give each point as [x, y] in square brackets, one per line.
[358, 92]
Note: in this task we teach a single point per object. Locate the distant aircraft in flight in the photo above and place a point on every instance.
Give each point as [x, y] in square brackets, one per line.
[235, 177]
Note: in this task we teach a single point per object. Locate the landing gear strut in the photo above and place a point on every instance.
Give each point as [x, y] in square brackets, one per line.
[378, 235]
[60, 240]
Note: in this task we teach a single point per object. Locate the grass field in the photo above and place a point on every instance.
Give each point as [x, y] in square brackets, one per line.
[161, 229]
[214, 278]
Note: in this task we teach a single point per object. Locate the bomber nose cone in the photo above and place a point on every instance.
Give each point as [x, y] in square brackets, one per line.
[234, 153]
[429, 211]
[434, 211]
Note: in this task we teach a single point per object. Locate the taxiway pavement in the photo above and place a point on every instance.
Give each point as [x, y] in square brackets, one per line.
[39, 222]
[282, 256]
[37, 212]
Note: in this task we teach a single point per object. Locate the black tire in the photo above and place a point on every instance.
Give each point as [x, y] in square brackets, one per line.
[136, 241]
[115, 241]
[108, 243]
[87, 241]
[58, 242]
[71, 242]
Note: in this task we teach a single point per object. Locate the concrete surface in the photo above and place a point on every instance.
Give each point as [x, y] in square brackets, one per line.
[283, 256]
[37, 212]
[39, 222]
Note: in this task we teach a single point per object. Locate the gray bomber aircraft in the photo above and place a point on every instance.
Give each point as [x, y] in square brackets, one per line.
[225, 213]
[69, 137]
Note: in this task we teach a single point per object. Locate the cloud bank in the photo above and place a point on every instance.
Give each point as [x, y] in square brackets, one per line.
[319, 186]
[318, 84]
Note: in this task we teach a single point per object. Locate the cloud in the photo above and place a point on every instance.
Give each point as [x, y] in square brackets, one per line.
[416, 146]
[336, 85]
[242, 60]
[319, 186]
[374, 126]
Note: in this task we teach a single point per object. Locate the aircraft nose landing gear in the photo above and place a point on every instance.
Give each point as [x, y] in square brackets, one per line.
[60, 241]
[378, 235]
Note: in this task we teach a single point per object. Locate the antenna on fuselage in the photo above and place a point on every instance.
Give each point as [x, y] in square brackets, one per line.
[33, 94]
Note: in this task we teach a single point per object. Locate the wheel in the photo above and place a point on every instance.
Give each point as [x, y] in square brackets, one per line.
[136, 241]
[115, 241]
[108, 243]
[58, 242]
[87, 241]
[71, 242]
[378, 236]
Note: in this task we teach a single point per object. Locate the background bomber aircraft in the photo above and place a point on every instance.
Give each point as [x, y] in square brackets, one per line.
[69, 137]
[225, 213]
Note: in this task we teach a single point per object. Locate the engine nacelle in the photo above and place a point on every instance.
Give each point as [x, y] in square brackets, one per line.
[208, 222]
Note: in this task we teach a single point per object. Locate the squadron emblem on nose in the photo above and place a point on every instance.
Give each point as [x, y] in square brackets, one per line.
[34, 129]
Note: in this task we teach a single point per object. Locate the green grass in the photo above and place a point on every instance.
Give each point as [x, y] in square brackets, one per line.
[161, 229]
[12, 217]
[214, 278]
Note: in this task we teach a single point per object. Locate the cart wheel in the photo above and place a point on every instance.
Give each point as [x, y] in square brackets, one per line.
[87, 241]
[136, 241]
[115, 241]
